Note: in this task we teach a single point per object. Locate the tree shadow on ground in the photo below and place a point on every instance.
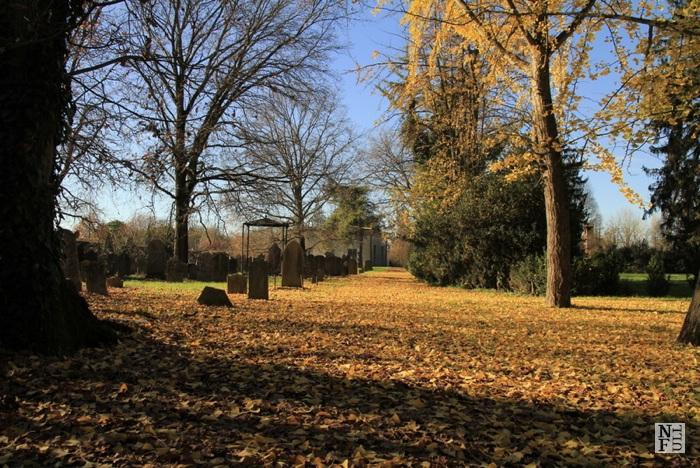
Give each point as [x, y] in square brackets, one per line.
[148, 401]
[655, 310]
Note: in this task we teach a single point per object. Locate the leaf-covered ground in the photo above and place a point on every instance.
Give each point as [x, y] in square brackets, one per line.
[372, 369]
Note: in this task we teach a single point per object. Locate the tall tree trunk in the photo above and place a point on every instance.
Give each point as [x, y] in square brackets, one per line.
[39, 309]
[690, 333]
[555, 192]
[182, 216]
[299, 208]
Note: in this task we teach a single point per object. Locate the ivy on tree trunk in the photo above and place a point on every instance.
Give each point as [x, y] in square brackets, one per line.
[39, 309]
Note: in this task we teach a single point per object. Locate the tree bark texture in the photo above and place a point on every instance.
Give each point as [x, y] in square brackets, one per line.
[39, 309]
[182, 216]
[690, 333]
[555, 193]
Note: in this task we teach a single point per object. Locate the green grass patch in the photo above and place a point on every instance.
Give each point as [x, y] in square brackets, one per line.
[635, 284]
[185, 286]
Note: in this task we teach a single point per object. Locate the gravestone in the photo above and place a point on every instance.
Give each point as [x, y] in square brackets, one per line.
[123, 266]
[352, 266]
[192, 272]
[274, 258]
[214, 297]
[70, 263]
[258, 284]
[212, 266]
[320, 267]
[109, 260]
[87, 250]
[310, 266]
[232, 265]
[94, 277]
[236, 283]
[292, 265]
[368, 265]
[334, 265]
[156, 258]
[115, 282]
[328, 263]
[175, 270]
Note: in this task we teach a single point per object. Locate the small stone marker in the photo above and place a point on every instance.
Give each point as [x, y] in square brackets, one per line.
[94, 277]
[368, 265]
[293, 265]
[236, 283]
[115, 282]
[175, 271]
[214, 297]
[258, 283]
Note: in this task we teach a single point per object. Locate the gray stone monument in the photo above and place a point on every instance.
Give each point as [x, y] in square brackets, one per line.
[352, 266]
[175, 270]
[293, 265]
[156, 258]
[95, 281]
[258, 284]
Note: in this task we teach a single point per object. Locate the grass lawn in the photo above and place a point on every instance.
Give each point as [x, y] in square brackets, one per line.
[370, 370]
[635, 284]
[164, 286]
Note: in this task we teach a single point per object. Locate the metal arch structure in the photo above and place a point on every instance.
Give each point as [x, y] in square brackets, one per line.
[262, 222]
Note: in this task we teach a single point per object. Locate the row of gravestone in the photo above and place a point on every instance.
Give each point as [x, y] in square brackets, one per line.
[294, 267]
[206, 266]
[90, 270]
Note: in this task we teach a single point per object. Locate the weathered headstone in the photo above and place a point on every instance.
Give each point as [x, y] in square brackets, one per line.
[321, 267]
[292, 265]
[236, 283]
[334, 265]
[274, 258]
[192, 271]
[258, 284]
[87, 250]
[232, 265]
[115, 282]
[310, 266]
[156, 258]
[109, 260]
[70, 263]
[214, 297]
[94, 276]
[352, 266]
[175, 270]
[368, 265]
[212, 266]
[328, 264]
[123, 264]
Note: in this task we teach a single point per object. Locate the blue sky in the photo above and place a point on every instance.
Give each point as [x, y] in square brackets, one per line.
[366, 108]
